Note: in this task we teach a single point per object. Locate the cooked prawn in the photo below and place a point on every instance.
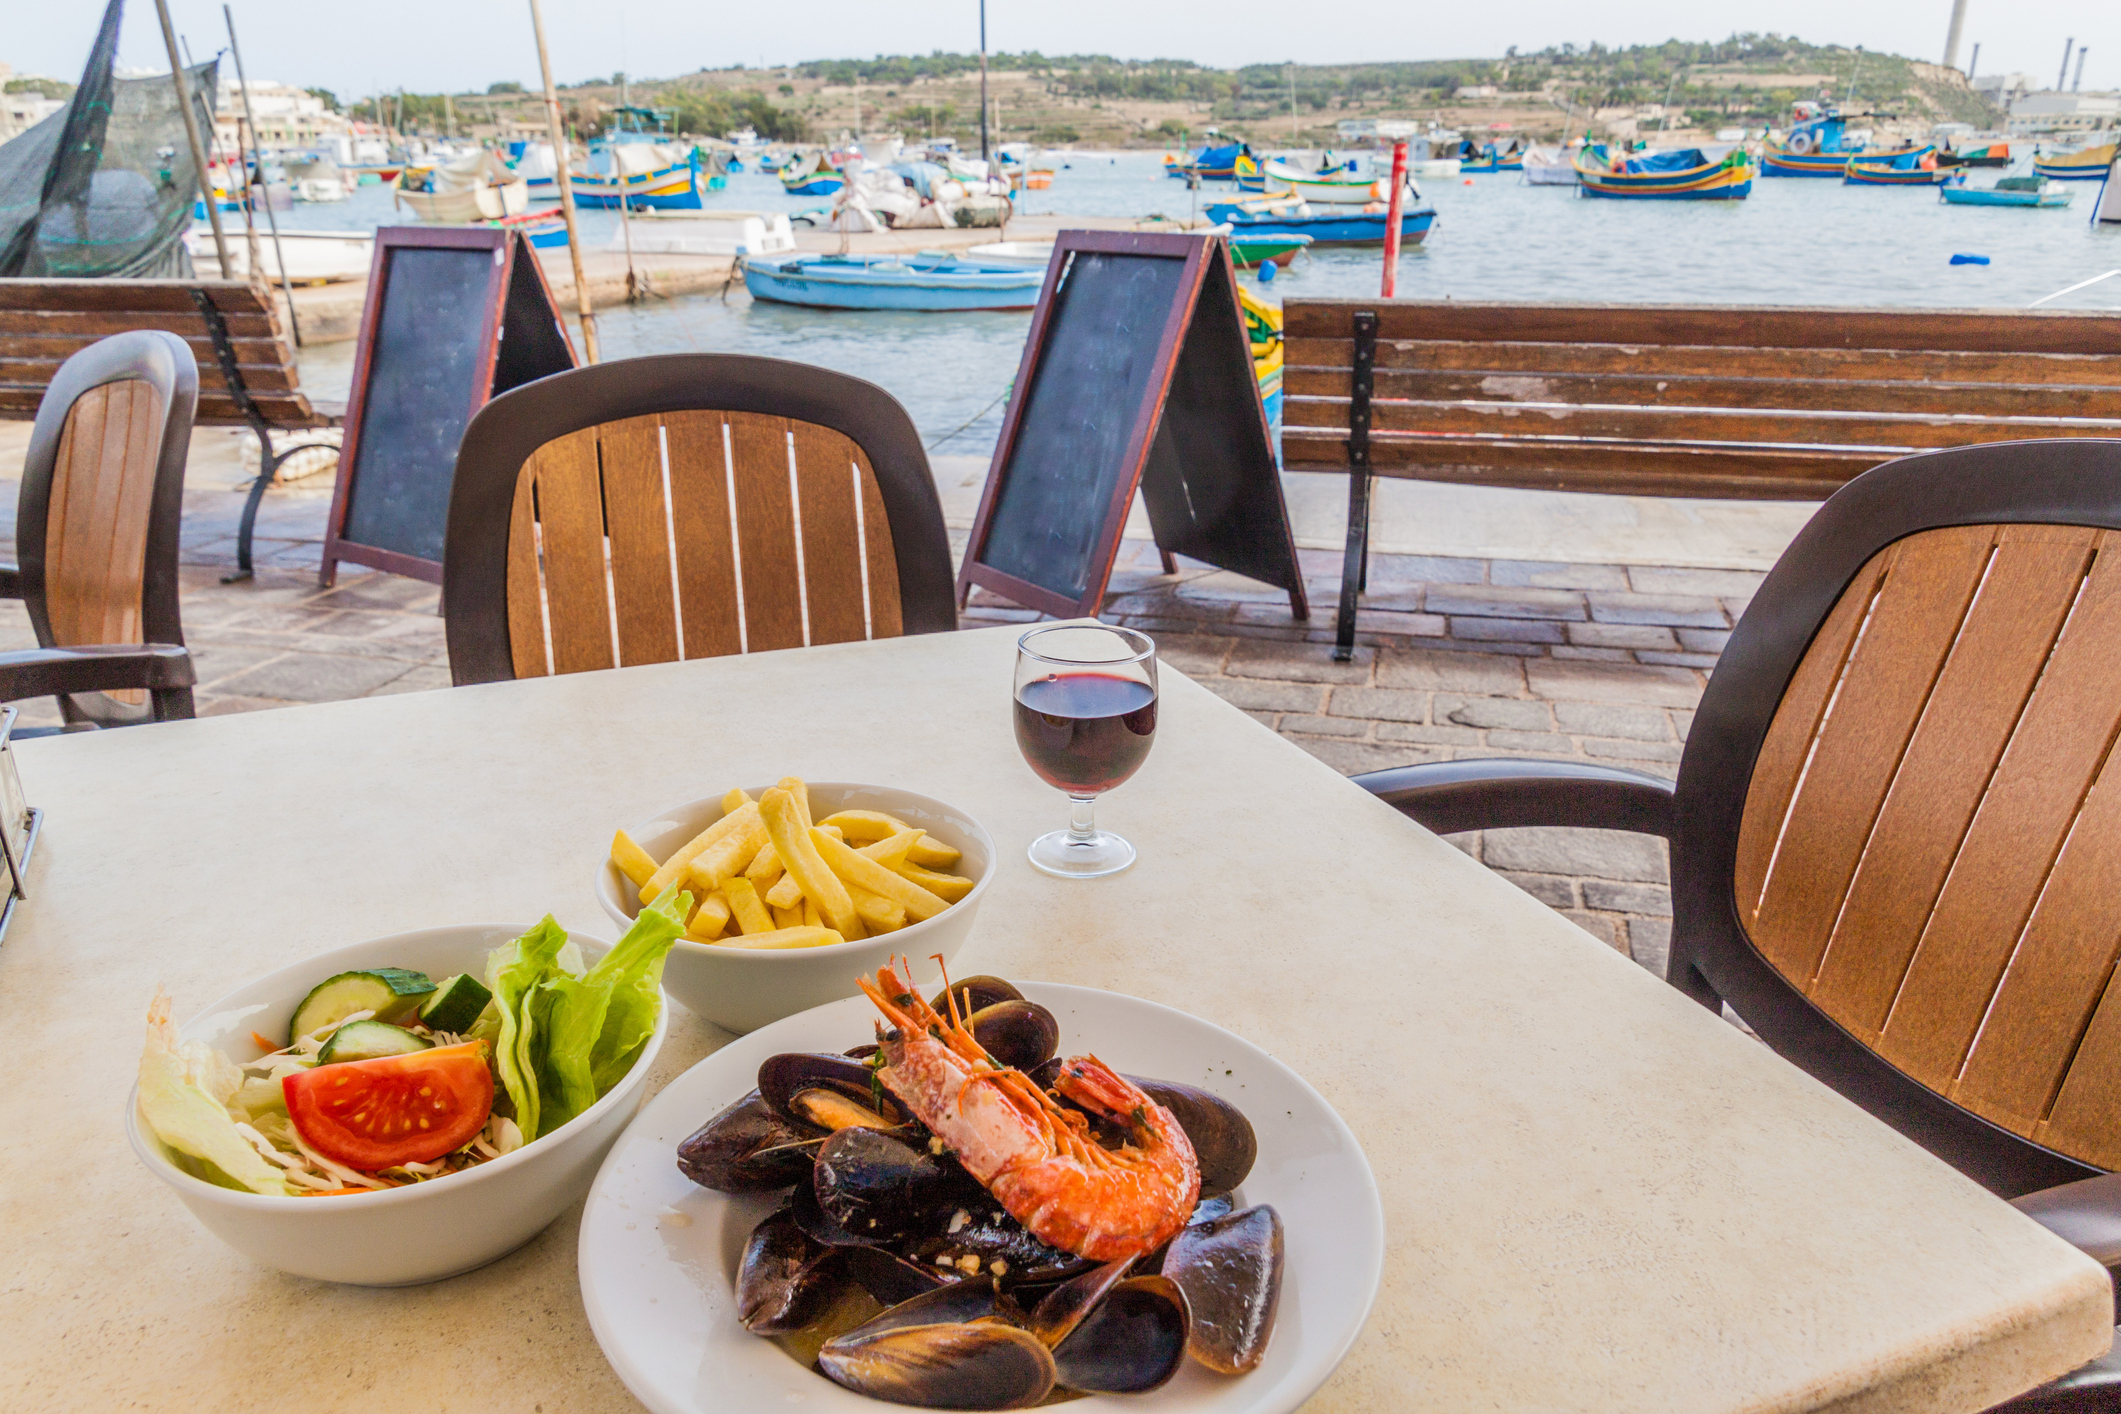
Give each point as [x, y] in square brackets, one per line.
[1039, 1160]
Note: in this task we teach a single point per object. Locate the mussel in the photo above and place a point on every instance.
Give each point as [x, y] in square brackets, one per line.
[1230, 1271]
[747, 1148]
[876, 1188]
[974, 993]
[1133, 1340]
[972, 1232]
[1016, 1033]
[957, 1347]
[785, 1278]
[825, 1092]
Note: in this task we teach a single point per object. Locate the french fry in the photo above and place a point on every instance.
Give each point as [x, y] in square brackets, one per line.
[727, 856]
[799, 852]
[744, 906]
[634, 862]
[785, 893]
[867, 874]
[949, 887]
[879, 915]
[800, 794]
[709, 919]
[931, 853]
[799, 937]
[765, 869]
[811, 917]
[788, 917]
[835, 832]
[673, 868]
[734, 799]
[890, 852]
[864, 825]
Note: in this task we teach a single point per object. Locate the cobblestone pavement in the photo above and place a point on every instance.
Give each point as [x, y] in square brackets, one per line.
[1458, 658]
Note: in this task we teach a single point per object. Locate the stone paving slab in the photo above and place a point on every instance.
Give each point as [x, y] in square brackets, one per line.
[1458, 658]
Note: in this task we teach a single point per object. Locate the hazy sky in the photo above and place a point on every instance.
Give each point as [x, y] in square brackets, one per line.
[429, 45]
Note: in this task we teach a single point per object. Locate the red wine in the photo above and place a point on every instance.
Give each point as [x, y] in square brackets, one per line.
[1085, 732]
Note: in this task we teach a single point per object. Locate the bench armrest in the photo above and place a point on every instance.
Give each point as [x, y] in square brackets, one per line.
[47, 672]
[1452, 797]
[10, 581]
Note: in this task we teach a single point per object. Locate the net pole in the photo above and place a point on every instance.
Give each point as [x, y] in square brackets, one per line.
[182, 83]
[559, 155]
[272, 221]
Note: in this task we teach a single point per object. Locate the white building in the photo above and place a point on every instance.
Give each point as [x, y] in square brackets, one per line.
[286, 116]
[2004, 89]
[19, 112]
[2065, 113]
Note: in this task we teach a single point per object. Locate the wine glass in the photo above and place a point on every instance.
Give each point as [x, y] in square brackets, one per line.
[1085, 716]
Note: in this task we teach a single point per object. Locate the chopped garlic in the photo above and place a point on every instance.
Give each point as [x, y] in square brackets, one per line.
[958, 1219]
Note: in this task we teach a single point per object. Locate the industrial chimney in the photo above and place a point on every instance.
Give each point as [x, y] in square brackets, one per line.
[1951, 36]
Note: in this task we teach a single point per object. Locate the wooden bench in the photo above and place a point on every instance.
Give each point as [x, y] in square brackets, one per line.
[1738, 402]
[247, 372]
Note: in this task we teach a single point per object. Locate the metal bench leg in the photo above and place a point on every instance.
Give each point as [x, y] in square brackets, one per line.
[1355, 565]
[268, 468]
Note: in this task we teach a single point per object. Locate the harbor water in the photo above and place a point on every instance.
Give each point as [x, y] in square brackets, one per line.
[1794, 242]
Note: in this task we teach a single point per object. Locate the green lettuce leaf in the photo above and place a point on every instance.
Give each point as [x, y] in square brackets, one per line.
[512, 974]
[184, 1092]
[634, 967]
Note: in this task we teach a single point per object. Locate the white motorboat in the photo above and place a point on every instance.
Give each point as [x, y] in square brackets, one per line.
[1549, 167]
[313, 257]
[477, 187]
[709, 233]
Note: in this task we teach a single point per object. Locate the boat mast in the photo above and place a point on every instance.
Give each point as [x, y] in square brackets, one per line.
[983, 80]
[181, 82]
[560, 162]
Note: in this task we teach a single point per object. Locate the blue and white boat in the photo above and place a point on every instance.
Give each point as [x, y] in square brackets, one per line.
[1340, 227]
[933, 281]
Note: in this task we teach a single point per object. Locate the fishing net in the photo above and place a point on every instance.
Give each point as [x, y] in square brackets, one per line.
[106, 186]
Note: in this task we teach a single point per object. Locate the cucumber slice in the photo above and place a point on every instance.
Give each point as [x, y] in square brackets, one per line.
[367, 1040]
[455, 1005]
[392, 993]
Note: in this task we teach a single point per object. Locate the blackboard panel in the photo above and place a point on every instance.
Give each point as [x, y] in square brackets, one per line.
[427, 374]
[533, 342]
[1097, 369]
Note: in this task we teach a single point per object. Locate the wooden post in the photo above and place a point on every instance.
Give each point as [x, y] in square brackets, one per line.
[1394, 208]
[559, 158]
[182, 83]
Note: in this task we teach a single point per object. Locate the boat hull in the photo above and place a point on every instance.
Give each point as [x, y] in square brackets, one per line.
[1256, 247]
[1331, 191]
[1718, 181]
[670, 189]
[1968, 196]
[2089, 166]
[1327, 229]
[1916, 168]
[824, 184]
[457, 208]
[887, 283]
[1777, 163]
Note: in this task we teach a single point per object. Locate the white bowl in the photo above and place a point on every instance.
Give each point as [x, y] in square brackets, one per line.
[425, 1231]
[739, 989]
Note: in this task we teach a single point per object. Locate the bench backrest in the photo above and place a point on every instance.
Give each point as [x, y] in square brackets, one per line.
[1740, 401]
[45, 322]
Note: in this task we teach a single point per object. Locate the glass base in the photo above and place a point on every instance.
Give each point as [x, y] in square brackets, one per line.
[1069, 856]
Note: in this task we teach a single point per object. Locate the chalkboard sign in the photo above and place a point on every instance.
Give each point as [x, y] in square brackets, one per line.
[454, 315]
[1137, 374]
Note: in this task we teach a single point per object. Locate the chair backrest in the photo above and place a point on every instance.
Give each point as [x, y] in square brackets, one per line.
[1899, 811]
[101, 503]
[687, 506]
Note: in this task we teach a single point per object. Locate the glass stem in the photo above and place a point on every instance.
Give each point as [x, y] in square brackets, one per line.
[1082, 821]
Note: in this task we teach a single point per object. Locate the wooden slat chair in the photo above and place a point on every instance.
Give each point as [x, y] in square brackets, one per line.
[1724, 401]
[687, 506]
[96, 532]
[1896, 829]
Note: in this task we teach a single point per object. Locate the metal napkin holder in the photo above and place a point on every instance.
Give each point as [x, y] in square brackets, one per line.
[19, 821]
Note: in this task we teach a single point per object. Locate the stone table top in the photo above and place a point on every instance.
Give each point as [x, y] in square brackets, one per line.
[1597, 1195]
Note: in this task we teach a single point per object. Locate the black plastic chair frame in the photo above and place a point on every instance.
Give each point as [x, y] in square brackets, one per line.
[161, 665]
[509, 429]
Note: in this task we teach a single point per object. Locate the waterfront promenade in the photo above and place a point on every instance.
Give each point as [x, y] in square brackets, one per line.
[1557, 628]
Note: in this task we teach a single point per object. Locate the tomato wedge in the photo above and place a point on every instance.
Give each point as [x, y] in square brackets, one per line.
[371, 1114]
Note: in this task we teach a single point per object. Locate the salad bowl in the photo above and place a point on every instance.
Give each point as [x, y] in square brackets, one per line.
[424, 1231]
[741, 990]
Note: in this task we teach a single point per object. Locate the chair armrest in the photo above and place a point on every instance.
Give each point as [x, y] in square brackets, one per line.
[46, 672]
[10, 581]
[1452, 797]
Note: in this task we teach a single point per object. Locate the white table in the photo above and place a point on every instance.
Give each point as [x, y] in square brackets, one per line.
[1598, 1195]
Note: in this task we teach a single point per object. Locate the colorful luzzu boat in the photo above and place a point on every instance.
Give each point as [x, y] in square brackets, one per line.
[1490, 158]
[1817, 145]
[1263, 328]
[810, 175]
[1338, 227]
[1684, 174]
[1909, 167]
[675, 188]
[2085, 165]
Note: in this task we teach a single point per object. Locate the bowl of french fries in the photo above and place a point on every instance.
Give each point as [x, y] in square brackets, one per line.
[799, 889]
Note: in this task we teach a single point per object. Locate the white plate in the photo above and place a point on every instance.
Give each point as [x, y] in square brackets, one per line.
[658, 1255]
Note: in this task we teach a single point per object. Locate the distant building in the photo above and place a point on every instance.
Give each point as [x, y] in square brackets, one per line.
[2065, 113]
[19, 112]
[1478, 90]
[2004, 89]
[287, 116]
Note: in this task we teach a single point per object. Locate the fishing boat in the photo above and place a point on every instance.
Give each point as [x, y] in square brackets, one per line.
[478, 187]
[313, 257]
[929, 281]
[1549, 167]
[1343, 184]
[1215, 162]
[807, 174]
[1908, 167]
[547, 230]
[1339, 227]
[2088, 164]
[2011, 191]
[1489, 158]
[1683, 174]
[1263, 329]
[1988, 152]
[1251, 177]
[1818, 144]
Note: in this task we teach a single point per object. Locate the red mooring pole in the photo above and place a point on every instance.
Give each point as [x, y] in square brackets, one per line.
[1396, 207]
